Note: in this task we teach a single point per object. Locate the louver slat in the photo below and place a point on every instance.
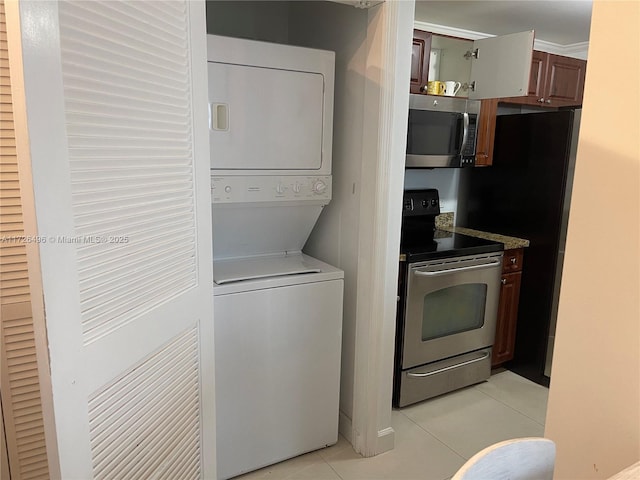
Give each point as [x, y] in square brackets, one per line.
[127, 84]
[146, 422]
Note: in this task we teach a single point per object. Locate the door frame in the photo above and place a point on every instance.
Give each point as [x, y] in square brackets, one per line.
[23, 151]
[389, 35]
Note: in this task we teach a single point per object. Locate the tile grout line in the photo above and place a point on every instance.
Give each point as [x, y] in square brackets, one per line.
[334, 470]
[434, 436]
[509, 406]
[326, 460]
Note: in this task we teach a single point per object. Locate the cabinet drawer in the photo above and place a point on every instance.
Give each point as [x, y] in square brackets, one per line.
[512, 260]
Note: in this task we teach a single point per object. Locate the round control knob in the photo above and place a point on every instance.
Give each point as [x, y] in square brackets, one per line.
[296, 187]
[318, 187]
[280, 188]
[227, 189]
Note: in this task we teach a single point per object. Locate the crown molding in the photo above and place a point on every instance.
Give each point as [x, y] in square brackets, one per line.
[451, 31]
[575, 50]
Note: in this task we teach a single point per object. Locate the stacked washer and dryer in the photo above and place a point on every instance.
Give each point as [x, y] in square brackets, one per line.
[278, 312]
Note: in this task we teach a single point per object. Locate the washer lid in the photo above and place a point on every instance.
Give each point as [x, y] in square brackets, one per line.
[252, 268]
[235, 275]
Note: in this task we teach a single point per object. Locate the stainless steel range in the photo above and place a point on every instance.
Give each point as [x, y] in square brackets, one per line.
[448, 302]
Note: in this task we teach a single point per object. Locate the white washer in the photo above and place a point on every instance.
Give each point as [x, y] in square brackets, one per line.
[277, 341]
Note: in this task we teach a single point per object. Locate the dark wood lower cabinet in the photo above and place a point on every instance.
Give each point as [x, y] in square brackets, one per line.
[503, 346]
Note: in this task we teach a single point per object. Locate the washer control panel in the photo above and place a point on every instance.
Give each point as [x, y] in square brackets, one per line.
[278, 188]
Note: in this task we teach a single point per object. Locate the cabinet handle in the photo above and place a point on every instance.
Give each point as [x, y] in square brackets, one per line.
[541, 100]
[548, 101]
[503, 281]
[513, 260]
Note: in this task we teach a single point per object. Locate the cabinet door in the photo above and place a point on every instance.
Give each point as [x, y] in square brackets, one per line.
[420, 60]
[564, 84]
[503, 347]
[537, 78]
[555, 81]
[486, 132]
[538, 75]
[502, 67]
[512, 260]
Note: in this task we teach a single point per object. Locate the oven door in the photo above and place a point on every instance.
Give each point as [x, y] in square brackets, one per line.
[451, 307]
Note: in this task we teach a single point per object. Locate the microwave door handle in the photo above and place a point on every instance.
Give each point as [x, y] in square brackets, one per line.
[422, 273]
[465, 130]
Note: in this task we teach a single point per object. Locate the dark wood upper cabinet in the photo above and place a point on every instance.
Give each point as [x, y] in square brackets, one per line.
[486, 132]
[536, 80]
[565, 80]
[555, 81]
[420, 52]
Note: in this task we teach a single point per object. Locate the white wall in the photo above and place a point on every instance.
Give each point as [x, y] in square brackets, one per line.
[343, 29]
[446, 180]
[256, 20]
[594, 400]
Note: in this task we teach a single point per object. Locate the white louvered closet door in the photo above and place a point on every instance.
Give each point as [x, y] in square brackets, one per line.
[116, 102]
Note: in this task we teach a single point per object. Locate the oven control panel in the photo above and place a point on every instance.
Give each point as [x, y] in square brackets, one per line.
[421, 202]
[268, 188]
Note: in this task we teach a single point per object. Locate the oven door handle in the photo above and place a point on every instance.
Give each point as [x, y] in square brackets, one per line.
[422, 273]
[451, 367]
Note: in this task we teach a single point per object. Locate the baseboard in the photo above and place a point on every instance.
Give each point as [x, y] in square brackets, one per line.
[386, 440]
[386, 437]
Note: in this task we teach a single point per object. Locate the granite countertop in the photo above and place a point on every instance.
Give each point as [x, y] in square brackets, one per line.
[509, 242]
[444, 221]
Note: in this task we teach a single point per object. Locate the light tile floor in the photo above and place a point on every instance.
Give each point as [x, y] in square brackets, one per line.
[433, 438]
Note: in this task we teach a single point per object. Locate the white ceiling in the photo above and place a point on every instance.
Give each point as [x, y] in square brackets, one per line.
[557, 21]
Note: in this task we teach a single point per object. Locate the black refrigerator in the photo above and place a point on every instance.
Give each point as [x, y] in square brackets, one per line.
[526, 193]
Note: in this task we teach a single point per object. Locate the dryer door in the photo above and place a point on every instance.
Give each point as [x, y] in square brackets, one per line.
[265, 118]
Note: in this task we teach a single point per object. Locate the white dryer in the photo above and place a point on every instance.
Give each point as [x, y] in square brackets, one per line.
[277, 311]
[270, 108]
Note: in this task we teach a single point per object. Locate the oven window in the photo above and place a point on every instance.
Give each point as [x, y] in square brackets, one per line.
[453, 310]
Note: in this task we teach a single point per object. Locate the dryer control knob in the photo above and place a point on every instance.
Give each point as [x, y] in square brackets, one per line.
[297, 187]
[318, 187]
[280, 188]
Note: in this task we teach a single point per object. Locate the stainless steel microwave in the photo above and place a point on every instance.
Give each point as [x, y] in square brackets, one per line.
[442, 131]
